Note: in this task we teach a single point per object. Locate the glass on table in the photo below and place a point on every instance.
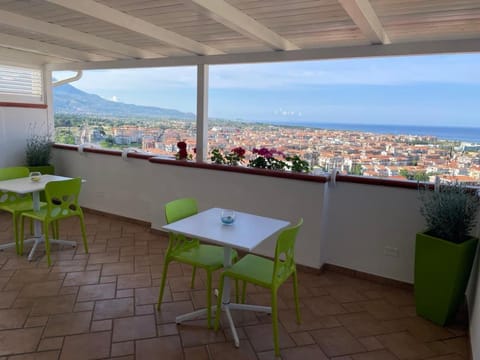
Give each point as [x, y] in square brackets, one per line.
[35, 176]
[227, 216]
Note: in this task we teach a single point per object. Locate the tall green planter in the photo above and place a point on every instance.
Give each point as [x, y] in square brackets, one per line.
[442, 270]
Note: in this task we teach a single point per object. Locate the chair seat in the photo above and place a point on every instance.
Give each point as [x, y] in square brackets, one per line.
[37, 215]
[204, 256]
[253, 269]
[19, 206]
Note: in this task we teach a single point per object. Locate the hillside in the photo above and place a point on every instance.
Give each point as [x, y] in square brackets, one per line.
[68, 99]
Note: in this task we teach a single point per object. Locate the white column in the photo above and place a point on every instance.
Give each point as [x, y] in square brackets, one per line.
[48, 91]
[202, 112]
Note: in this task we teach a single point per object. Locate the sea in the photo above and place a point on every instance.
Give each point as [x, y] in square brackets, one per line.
[464, 134]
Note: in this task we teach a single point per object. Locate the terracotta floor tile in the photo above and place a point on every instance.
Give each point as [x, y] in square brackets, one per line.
[169, 311]
[133, 281]
[375, 355]
[34, 321]
[81, 278]
[169, 347]
[310, 352]
[44, 288]
[302, 338]
[53, 343]
[361, 324]
[101, 325]
[132, 328]
[196, 353]
[53, 305]
[7, 298]
[323, 305]
[405, 346]
[12, 318]
[96, 292]
[149, 295]
[123, 348]
[261, 337]
[84, 306]
[68, 324]
[117, 268]
[221, 351]
[48, 355]
[194, 333]
[19, 341]
[337, 341]
[86, 346]
[108, 309]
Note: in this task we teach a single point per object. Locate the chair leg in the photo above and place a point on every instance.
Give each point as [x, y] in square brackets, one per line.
[162, 284]
[209, 299]
[47, 242]
[244, 291]
[295, 293]
[192, 284]
[219, 302]
[84, 233]
[15, 232]
[22, 233]
[275, 322]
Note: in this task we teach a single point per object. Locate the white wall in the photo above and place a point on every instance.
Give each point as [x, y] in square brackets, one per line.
[16, 124]
[365, 219]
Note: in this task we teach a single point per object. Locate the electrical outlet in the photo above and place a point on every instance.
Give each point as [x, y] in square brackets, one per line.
[390, 251]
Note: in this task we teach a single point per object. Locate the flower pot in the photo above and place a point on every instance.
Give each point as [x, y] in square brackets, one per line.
[442, 270]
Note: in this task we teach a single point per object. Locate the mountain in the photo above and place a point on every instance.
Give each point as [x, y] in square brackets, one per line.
[68, 99]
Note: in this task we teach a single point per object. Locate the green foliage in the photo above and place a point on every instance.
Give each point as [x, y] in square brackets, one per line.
[39, 150]
[298, 165]
[451, 212]
[357, 169]
[217, 157]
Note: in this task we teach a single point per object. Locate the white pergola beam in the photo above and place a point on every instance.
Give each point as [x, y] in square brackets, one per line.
[132, 23]
[61, 32]
[40, 47]
[235, 19]
[18, 58]
[407, 49]
[366, 19]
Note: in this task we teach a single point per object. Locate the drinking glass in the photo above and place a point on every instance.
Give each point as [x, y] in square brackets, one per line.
[228, 216]
[35, 176]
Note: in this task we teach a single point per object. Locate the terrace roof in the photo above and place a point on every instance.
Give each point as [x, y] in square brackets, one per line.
[70, 34]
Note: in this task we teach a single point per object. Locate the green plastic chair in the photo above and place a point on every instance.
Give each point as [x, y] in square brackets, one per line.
[269, 274]
[190, 251]
[15, 203]
[62, 203]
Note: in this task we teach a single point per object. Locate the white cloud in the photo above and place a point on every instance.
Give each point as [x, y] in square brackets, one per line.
[114, 98]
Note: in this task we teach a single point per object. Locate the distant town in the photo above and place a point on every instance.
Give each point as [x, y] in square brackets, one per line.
[408, 156]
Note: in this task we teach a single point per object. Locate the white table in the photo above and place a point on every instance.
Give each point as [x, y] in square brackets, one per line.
[245, 234]
[26, 186]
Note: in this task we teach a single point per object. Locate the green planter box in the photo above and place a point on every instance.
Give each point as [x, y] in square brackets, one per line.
[442, 270]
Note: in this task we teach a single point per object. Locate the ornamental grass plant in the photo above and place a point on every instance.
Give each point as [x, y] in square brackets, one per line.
[450, 212]
[39, 150]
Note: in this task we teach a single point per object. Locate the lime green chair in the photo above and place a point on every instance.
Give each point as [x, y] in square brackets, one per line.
[190, 251]
[269, 274]
[12, 202]
[62, 202]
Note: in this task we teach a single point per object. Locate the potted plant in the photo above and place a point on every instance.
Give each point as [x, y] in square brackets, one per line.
[38, 154]
[444, 253]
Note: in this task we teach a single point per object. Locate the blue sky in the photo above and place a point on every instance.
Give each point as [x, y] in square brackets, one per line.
[415, 90]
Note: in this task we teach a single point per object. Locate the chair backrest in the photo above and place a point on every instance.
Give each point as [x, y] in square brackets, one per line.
[179, 209]
[62, 198]
[10, 173]
[284, 263]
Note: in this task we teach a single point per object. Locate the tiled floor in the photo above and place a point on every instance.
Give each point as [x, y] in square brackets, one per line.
[101, 305]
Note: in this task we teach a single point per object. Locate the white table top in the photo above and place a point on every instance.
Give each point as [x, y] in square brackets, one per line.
[246, 233]
[25, 185]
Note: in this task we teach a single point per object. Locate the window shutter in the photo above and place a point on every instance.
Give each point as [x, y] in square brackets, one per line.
[18, 84]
